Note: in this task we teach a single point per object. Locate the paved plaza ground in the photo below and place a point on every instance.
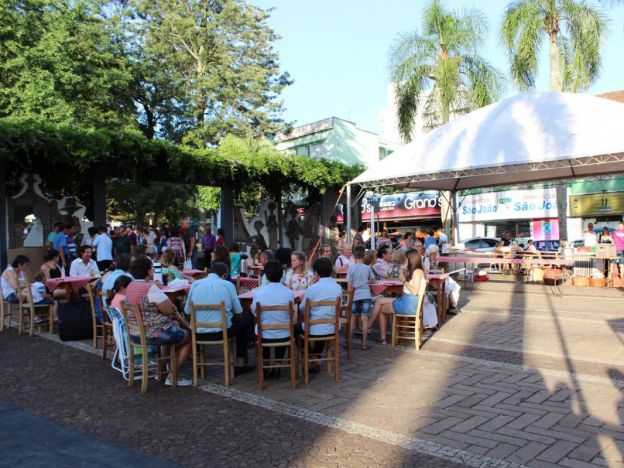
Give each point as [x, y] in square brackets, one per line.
[518, 377]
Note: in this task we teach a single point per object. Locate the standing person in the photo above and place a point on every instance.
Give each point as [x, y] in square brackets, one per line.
[407, 303]
[384, 240]
[208, 244]
[189, 234]
[176, 245]
[134, 238]
[359, 277]
[11, 278]
[90, 237]
[121, 242]
[429, 239]
[342, 241]
[60, 245]
[103, 245]
[442, 237]
[590, 237]
[235, 260]
[220, 242]
[52, 235]
[163, 324]
[605, 236]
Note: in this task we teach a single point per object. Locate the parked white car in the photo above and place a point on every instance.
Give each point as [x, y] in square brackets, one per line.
[479, 244]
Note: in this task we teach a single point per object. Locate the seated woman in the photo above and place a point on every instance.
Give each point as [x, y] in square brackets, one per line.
[399, 263]
[451, 287]
[163, 324]
[222, 254]
[51, 269]
[298, 277]
[13, 279]
[407, 303]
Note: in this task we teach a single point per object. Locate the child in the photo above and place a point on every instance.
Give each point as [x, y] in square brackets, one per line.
[359, 276]
[118, 293]
[39, 293]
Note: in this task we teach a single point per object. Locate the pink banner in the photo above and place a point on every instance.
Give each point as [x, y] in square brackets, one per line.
[545, 229]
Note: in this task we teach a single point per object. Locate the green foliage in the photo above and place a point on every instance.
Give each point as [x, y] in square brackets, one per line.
[442, 59]
[60, 150]
[575, 31]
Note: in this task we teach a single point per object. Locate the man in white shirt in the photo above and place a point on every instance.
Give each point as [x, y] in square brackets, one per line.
[324, 289]
[275, 294]
[104, 247]
[84, 265]
[344, 260]
[591, 240]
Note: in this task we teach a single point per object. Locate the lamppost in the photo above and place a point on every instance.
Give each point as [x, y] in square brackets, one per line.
[374, 199]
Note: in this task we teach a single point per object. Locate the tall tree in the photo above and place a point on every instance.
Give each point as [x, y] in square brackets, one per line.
[442, 58]
[56, 61]
[222, 75]
[574, 30]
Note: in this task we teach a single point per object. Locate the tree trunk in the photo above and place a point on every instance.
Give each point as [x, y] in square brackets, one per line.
[555, 65]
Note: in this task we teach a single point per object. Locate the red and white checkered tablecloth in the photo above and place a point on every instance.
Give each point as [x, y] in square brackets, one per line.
[192, 273]
[75, 282]
[379, 287]
[169, 290]
[249, 283]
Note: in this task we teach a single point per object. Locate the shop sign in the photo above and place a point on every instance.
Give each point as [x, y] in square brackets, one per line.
[403, 205]
[596, 204]
[510, 204]
[545, 229]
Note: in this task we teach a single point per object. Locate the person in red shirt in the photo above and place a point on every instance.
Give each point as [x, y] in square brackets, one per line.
[220, 238]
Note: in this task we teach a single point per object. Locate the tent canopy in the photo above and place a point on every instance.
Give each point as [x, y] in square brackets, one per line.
[528, 137]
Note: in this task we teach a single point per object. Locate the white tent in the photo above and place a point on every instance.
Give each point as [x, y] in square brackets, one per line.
[528, 137]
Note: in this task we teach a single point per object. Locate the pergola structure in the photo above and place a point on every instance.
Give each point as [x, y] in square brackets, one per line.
[63, 155]
[526, 138]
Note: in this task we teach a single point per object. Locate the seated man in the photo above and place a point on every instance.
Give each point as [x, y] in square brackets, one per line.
[344, 260]
[84, 265]
[122, 264]
[212, 290]
[383, 263]
[324, 289]
[273, 294]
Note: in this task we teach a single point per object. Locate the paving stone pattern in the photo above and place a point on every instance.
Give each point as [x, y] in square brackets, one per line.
[520, 378]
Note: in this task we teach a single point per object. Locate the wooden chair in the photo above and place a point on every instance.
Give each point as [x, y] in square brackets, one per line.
[228, 356]
[98, 328]
[27, 312]
[290, 342]
[6, 309]
[332, 342]
[108, 338]
[132, 315]
[410, 327]
[345, 317]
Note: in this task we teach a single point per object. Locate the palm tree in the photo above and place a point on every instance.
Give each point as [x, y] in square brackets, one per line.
[442, 59]
[574, 30]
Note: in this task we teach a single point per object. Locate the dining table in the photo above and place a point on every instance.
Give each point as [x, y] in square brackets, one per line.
[193, 273]
[176, 291]
[71, 284]
[438, 279]
[390, 286]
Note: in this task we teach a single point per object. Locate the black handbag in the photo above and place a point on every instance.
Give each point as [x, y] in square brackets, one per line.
[74, 321]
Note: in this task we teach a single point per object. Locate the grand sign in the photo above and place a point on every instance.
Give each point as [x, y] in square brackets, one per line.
[510, 204]
[403, 205]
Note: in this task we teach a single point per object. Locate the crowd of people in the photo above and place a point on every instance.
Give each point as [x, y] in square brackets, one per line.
[133, 265]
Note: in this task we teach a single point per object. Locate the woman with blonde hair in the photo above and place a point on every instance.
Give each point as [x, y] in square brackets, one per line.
[399, 263]
[407, 303]
[298, 277]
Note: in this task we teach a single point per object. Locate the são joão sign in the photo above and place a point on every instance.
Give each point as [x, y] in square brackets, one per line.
[403, 205]
[510, 204]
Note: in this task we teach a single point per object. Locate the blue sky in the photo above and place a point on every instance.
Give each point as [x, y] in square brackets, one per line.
[336, 51]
